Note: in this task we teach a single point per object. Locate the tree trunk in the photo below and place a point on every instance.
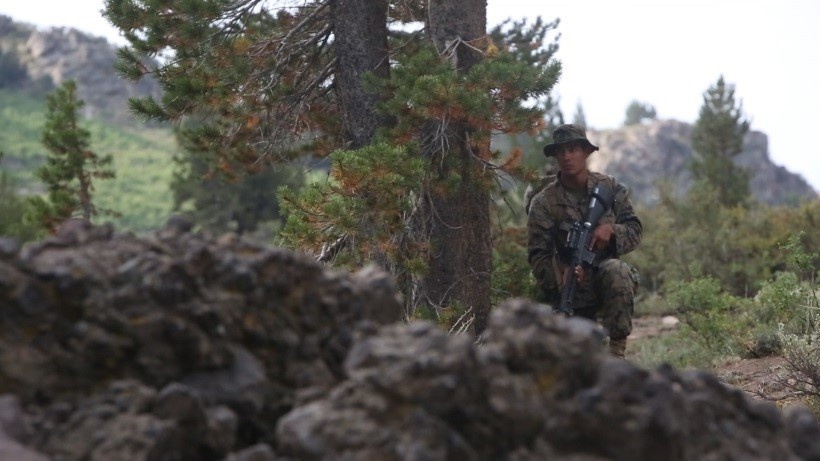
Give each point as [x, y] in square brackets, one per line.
[360, 34]
[85, 195]
[457, 217]
[360, 31]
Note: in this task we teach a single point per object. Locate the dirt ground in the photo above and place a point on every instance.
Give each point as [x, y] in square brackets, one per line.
[757, 377]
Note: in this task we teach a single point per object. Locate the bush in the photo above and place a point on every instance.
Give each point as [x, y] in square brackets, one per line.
[712, 314]
[13, 210]
[739, 247]
[776, 302]
[681, 349]
[798, 332]
[652, 303]
[801, 352]
[512, 276]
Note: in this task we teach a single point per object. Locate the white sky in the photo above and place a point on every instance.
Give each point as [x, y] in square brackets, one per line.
[662, 52]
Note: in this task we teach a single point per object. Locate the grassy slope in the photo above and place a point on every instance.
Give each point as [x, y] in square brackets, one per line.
[142, 160]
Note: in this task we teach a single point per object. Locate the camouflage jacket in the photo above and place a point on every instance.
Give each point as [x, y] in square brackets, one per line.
[552, 212]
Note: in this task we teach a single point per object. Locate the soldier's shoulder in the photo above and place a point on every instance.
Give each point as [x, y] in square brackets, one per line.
[603, 177]
[616, 185]
[550, 183]
[548, 190]
[544, 197]
[535, 188]
[539, 184]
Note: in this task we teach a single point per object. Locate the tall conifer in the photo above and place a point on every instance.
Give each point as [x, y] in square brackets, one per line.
[717, 139]
[71, 167]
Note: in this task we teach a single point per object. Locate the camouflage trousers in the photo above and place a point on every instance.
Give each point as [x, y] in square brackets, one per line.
[609, 295]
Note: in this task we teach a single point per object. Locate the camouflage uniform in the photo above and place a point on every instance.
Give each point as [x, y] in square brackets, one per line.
[608, 292]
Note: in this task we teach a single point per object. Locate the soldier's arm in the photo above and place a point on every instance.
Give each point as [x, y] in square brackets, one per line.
[628, 228]
[540, 245]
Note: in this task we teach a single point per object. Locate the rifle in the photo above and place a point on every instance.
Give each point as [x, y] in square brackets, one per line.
[579, 239]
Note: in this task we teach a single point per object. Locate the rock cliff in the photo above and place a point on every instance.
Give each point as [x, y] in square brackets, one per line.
[641, 155]
[62, 54]
[187, 347]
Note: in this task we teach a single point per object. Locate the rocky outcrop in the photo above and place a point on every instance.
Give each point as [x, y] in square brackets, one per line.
[183, 346]
[176, 344]
[61, 54]
[642, 155]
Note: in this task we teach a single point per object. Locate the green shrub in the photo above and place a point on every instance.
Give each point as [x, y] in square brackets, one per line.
[716, 317]
[739, 247]
[777, 300]
[13, 210]
[680, 349]
[799, 329]
[801, 352]
[512, 276]
[652, 303]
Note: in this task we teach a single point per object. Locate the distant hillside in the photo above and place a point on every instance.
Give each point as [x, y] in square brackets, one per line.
[61, 54]
[641, 155]
[142, 159]
[142, 156]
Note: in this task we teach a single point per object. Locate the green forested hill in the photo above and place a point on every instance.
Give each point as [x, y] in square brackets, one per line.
[142, 160]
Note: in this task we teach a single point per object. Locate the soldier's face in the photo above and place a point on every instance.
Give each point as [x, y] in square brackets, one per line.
[571, 158]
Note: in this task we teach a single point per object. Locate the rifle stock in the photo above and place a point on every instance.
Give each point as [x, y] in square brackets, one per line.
[578, 240]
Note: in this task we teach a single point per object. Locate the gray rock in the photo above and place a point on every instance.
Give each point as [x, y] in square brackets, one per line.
[260, 452]
[13, 422]
[10, 450]
[222, 426]
[9, 247]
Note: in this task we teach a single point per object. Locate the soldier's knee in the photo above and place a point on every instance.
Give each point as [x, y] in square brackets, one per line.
[619, 273]
[616, 286]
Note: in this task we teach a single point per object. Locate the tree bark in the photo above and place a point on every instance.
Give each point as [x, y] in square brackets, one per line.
[360, 34]
[457, 218]
[361, 46]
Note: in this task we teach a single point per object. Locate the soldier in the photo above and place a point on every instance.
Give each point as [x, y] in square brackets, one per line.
[607, 289]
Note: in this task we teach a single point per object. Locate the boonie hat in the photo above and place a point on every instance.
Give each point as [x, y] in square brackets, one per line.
[565, 134]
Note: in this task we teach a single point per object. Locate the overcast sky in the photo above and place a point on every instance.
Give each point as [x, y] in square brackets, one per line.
[662, 52]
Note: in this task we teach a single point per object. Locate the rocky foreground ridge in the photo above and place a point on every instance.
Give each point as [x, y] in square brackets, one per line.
[182, 346]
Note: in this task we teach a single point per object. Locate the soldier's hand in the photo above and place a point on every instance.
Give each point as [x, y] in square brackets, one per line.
[579, 274]
[601, 237]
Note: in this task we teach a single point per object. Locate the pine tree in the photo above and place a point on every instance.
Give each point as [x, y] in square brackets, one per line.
[220, 201]
[71, 167]
[274, 85]
[579, 118]
[637, 112]
[717, 139]
[259, 83]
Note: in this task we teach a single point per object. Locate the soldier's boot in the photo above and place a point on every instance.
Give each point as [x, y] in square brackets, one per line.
[617, 347]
